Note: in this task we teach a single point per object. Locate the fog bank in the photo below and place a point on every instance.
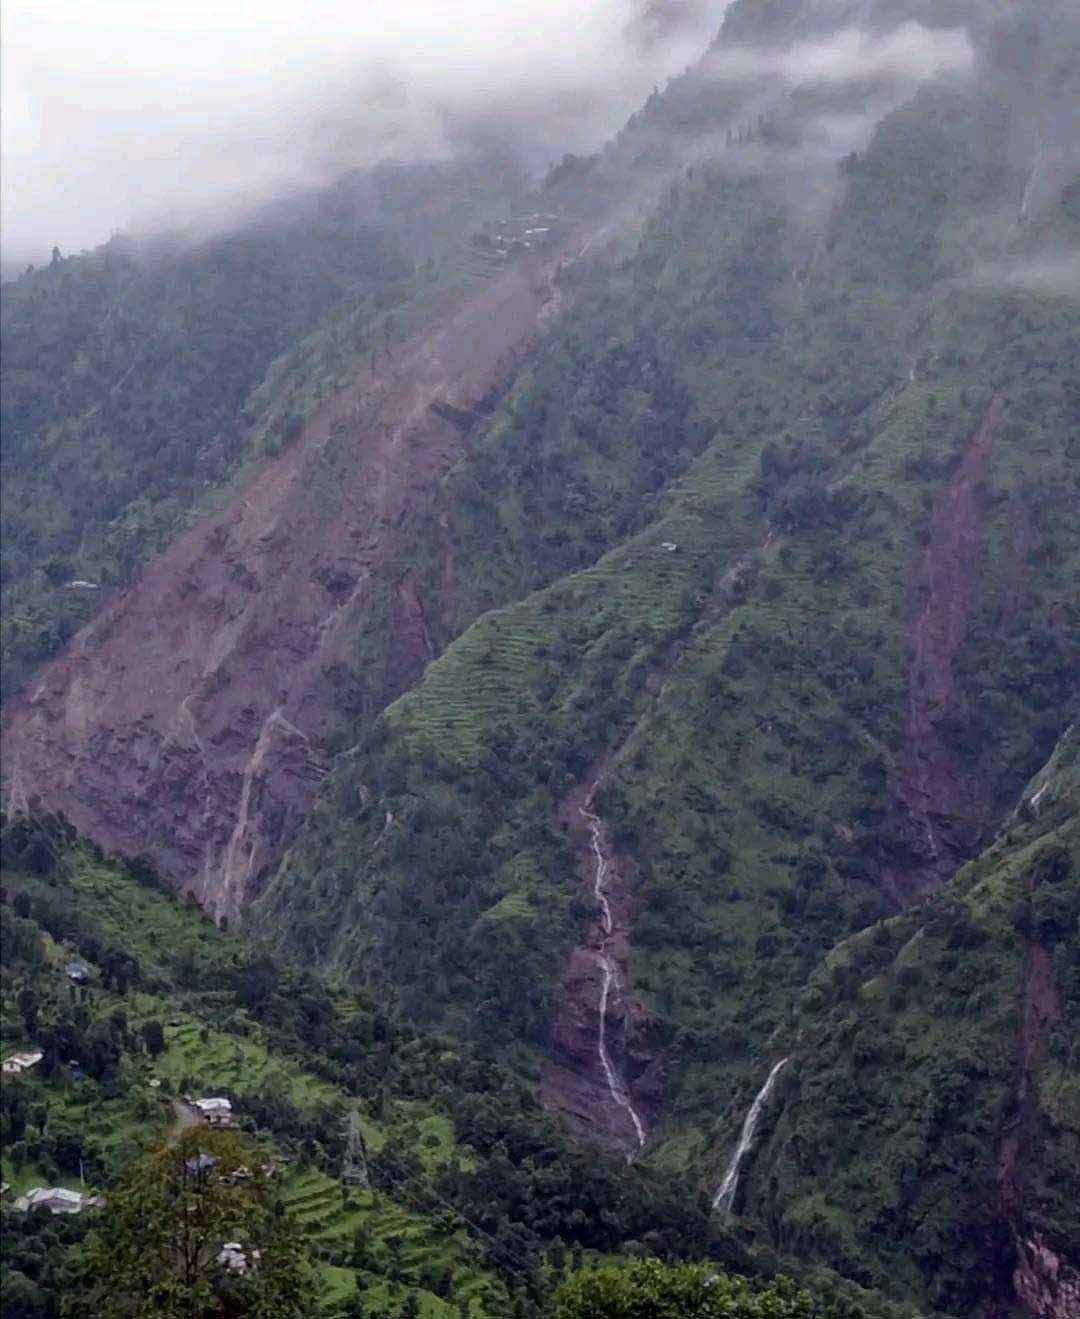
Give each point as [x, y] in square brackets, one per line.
[120, 115]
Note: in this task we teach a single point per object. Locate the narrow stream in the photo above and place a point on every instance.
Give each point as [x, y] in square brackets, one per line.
[725, 1196]
[1029, 186]
[616, 1085]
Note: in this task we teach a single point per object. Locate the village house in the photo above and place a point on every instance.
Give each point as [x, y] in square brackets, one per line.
[21, 1062]
[216, 1111]
[234, 1257]
[200, 1164]
[57, 1200]
[78, 971]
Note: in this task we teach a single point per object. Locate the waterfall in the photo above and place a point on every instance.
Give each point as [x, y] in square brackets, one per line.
[1029, 186]
[599, 874]
[725, 1196]
[616, 1085]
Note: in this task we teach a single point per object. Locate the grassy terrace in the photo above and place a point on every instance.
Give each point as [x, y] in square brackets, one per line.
[208, 1050]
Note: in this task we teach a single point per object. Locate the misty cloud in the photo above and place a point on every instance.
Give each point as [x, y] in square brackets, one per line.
[1049, 274]
[910, 53]
[121, 114]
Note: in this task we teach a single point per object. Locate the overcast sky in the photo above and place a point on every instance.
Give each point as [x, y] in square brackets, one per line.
[118, 114]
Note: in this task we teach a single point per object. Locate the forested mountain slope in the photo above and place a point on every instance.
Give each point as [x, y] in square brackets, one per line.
[668, 613]
[471, 1201]
[133, 376]
[804, 712]
[926, 1132]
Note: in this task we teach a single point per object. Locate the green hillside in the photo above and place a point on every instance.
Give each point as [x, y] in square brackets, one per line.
[797, 439]
[478, 1201]
[754, 795]
[139, 377]
[927, 1131]
[699, 792]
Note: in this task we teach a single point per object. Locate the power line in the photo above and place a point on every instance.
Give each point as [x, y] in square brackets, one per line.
[401, 1183]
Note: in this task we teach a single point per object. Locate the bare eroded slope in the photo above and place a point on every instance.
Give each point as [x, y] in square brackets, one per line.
[182, 721]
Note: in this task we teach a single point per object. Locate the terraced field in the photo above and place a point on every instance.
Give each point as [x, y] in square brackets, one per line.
[422, 1253]
[354, 1232]
[634, 600]
[208, 1059]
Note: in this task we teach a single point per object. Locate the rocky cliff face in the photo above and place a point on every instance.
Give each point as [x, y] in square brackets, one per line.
[185, 721]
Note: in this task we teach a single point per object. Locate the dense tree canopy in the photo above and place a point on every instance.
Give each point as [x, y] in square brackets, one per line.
[649, 1289]
[160, 1246]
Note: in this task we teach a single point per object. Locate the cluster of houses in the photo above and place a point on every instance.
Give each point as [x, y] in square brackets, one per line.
[214, 1110]
[507, 236]
[56, 1199]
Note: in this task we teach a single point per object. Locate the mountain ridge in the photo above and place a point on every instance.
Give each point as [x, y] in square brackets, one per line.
[630, 670]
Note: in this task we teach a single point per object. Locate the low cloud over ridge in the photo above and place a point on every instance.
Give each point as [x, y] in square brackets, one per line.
[909, 53]
[120, 114]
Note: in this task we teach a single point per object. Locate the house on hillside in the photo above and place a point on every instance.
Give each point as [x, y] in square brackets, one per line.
[57, 1200]
[200, 1164]
[78, 971]
[215, 1111]
[234, 1258]
[21, 1062]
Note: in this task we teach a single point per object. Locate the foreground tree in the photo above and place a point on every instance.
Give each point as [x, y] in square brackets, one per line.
[648, 1289]
[160, 1245]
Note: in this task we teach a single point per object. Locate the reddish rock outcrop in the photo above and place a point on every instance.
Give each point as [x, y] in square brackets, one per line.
[1045, 1283]
[183, 722]
[940, 804]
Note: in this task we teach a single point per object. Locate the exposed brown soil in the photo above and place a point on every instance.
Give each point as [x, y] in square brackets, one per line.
[940, 803]
[182, 722]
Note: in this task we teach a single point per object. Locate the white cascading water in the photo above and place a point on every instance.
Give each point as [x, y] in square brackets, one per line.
[725, 1196]
[616, 1085]
[1029, 186]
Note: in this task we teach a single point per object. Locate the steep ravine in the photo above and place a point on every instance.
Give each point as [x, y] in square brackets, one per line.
[1039, 1278]
[603, 1072]
[605, 1069]
[181, 722]
[724, 1199]
[940, 803]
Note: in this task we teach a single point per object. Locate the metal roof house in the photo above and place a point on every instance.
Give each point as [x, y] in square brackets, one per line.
[216, 1110]
[21, 1062]
[234, 1257]
[57, 1200]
